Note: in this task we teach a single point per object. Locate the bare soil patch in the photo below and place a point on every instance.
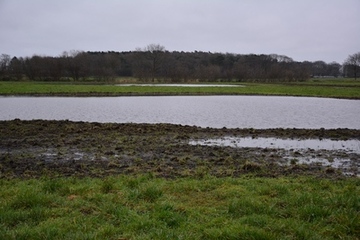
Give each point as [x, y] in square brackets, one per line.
[63, 148]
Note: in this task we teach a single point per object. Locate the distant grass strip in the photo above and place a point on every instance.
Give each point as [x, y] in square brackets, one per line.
[145, 207]
[350, 90]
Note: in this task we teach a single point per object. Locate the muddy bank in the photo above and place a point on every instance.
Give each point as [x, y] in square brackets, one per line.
[64, 148]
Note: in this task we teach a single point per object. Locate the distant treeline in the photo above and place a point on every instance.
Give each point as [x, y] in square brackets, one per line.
[155, 63]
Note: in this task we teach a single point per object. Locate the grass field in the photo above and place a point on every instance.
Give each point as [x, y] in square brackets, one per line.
[314, 88]
[145, 207]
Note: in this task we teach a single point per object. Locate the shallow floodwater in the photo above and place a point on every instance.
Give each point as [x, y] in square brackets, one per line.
[326, 152]
[204, 111]
[315, 144]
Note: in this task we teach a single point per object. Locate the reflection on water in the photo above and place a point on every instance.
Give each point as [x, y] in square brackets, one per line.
[324, 144]
[204, 111]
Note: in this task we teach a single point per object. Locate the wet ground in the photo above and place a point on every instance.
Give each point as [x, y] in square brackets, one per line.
[63, 148]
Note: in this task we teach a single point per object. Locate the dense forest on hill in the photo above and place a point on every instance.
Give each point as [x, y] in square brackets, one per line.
[155, 63]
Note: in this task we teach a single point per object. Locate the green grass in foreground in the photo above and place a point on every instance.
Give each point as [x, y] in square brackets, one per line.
[145, 207]
[314, 88]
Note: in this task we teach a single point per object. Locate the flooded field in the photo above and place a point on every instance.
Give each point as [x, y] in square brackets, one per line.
[204, 111]
[179, 136]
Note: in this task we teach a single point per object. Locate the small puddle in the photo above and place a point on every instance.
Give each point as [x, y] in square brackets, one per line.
[52, 155]
[325, 144]
[346, 165]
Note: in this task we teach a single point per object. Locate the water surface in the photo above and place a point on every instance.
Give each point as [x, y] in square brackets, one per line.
[178, 85]
[262, 142]
[205, 111]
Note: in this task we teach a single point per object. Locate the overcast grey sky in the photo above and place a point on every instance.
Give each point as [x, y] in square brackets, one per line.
[327, 30]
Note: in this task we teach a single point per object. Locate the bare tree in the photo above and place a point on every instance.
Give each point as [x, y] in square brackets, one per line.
[319, 68]
[4, 65]
[352, 65]
[333, 69]
[154, 54]
[74, 64]
[281, 58]
[17, 68]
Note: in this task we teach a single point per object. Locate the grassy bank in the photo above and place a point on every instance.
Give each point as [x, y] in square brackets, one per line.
[145, 207]
[314, 88]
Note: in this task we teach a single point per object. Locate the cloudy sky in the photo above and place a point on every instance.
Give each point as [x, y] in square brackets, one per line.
[327, 30]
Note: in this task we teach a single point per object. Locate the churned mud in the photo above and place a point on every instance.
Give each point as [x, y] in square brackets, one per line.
[63, 148]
